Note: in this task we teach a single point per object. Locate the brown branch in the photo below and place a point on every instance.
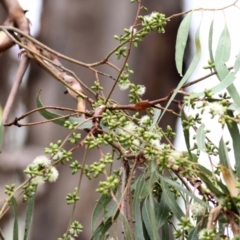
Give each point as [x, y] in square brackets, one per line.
[18, 79]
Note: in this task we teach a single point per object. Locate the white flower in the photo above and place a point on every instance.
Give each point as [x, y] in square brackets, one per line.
[42, 161]
[217, 108]
[58, 155]
[124, 86]
[133, 30]
[130, 127]
[156, 143]
[54, 174]
[136, 142]
[141, 90]
[149, 18]
[197, 209]
[173, 155]
[144, 120]
[38, 180]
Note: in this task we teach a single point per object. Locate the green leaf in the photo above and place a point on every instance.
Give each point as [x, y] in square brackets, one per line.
[1, 129]
[103, 228]
[165, 231]
[50, 115]
[127, 231]
[138, 227]
[210, 40]
[223, 52]
[183, 189]
[236, 66]
[190, 70]
[162, 211]
[201, 138]
[223, 155]
[171, 201]
[224, 84]
[207, 177]
[100, 206]
[181, 42]
[186, 134]
[222, 55]
[157, 113]
[149, 218]
[13, 203]
[193, 233]
[29, 214]
[235, 135]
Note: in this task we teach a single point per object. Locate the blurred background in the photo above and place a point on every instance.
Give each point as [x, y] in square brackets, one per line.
[82, 30]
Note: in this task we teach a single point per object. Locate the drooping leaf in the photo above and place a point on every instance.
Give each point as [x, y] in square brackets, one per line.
[229, 180]
[224, 84]
[236, 66]
[223, 52]
[165, 231]
[162, 211]
[193, 233]
[138, 226]
[223, 154]
[183, 189]
[149, 219]
[157, 113]
[171, 201]
[1, 129]
[181, 42]
[29, 214]
[201, 138]
[13, 203]
[235, 135]
[103, 228]
[222, 55]
[186, 134]
[50, 115]
[99, 208]
[190, 70]
[207, 177]
[210, 40]
[127, 231]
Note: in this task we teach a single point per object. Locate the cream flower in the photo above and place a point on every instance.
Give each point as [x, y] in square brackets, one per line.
[54, 174]
[42, 161]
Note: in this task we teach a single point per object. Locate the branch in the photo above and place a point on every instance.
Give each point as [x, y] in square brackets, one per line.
[18, 79]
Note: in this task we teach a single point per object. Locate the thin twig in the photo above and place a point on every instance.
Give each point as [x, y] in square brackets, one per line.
[18, 79]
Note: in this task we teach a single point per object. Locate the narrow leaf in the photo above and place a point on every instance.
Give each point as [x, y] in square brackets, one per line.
[201, 138]
[157, 113]
[183, 189]
[50, 115]
[186, 134]
[127, 231]
[165, 231]
[222, 55]
[236, 66]
[190, 70]
[181, 42]
[103, 228]
[99, 208]
[13, 203]
[29, 214]
[210, 40]
[138, 227]
[149, 219]
[223, 154]
[230, 181]
[171, 201]
[235, 135]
